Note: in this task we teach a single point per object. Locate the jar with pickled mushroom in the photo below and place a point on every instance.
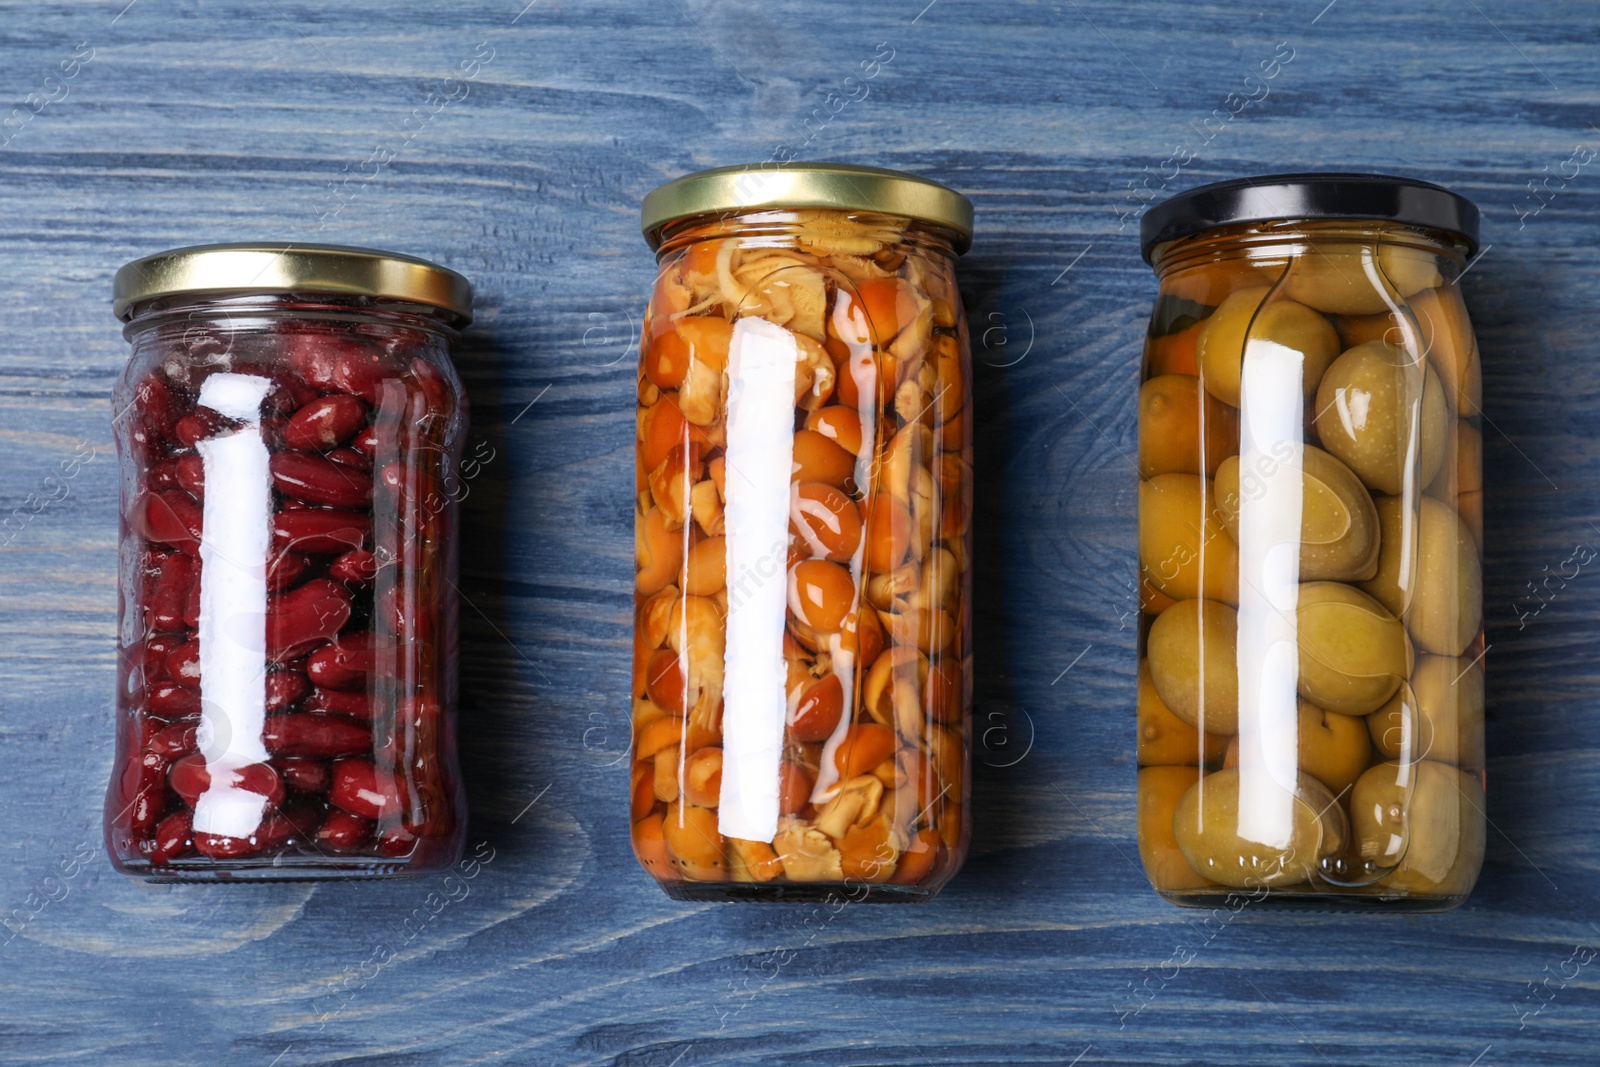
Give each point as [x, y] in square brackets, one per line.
[1310, 543]
[802, 630]
[289, 429]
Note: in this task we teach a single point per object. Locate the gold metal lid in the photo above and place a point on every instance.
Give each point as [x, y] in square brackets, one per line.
[290, 268]
[775, 186]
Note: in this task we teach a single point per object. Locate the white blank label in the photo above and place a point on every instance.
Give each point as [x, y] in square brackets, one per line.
[760, 454]
[233, 604]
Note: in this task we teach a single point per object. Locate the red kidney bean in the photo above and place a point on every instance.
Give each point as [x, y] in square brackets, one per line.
[172, 701]
[168, 592]
[318, 480]
[287, 395]
[198, 425]
[312, 356]
[319, 532]
[432, 386]
[164, 475]
[275, 831]
[285, 569]
[304, 617]
[302, 773]
[146, 661]
[396, 840]
[183, 664]
[366, 442]
[190, 472]
[285, 688]
[359, 789]
[345, 662]
[146, 809]
[174, 836]
[272, 429]
[143, 767]
[315, 734]
[191, 603]
[325, 423]
[356, 567]
[219, 847]
[355, 703]
[342, 832]
[174, 740]
[157, 649]
[169, 517]
[190, 777]
[420, 725]
[144, 785]
[349, 457]
[154, 411]
[341, 364]
[363, 371]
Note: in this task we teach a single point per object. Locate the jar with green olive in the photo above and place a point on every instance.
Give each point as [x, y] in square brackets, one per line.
[803, 507]
[1311, 695]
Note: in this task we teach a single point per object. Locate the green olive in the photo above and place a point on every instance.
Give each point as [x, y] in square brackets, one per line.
[1447, 337]
[1366, 407]
[1338, 524]
[1165, 739]
[1160, 790]
[1220, 348]
[1462, 469]
[1183, 549]
[1206, 825]
[1333, 749]
[1443, 705]
[1427, 818]
[1346, 277]
[1447, 603]
[1175, 417]
[1353, 653]
[1396, 577]
[1193, 663]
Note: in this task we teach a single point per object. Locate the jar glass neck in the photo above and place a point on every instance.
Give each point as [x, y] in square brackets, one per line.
[252, 311]
[828, 232]
[1286, 239]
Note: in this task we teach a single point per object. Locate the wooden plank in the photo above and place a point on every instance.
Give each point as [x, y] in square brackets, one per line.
[197, 123]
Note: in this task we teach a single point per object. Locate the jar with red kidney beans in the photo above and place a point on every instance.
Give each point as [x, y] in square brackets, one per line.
[288, 428]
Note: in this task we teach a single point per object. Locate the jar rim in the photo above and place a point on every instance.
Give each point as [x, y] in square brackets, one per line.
[1307, 197]
[776, 185]
[258, 267]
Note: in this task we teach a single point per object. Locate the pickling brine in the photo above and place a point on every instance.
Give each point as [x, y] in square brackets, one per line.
[802, 650]
[1311, 698]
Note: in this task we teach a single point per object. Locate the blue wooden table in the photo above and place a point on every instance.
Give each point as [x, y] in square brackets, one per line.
[514, 143]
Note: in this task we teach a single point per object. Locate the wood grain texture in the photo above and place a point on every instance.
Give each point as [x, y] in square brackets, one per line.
[229, 121]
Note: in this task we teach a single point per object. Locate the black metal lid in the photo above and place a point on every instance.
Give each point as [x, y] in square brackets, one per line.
[1310, 196]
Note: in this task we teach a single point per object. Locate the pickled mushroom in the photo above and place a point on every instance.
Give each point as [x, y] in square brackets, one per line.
[807, 854]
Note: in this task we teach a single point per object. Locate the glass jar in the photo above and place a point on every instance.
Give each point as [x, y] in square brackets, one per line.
[1311, 696]
[802, 651]
[288, 429]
